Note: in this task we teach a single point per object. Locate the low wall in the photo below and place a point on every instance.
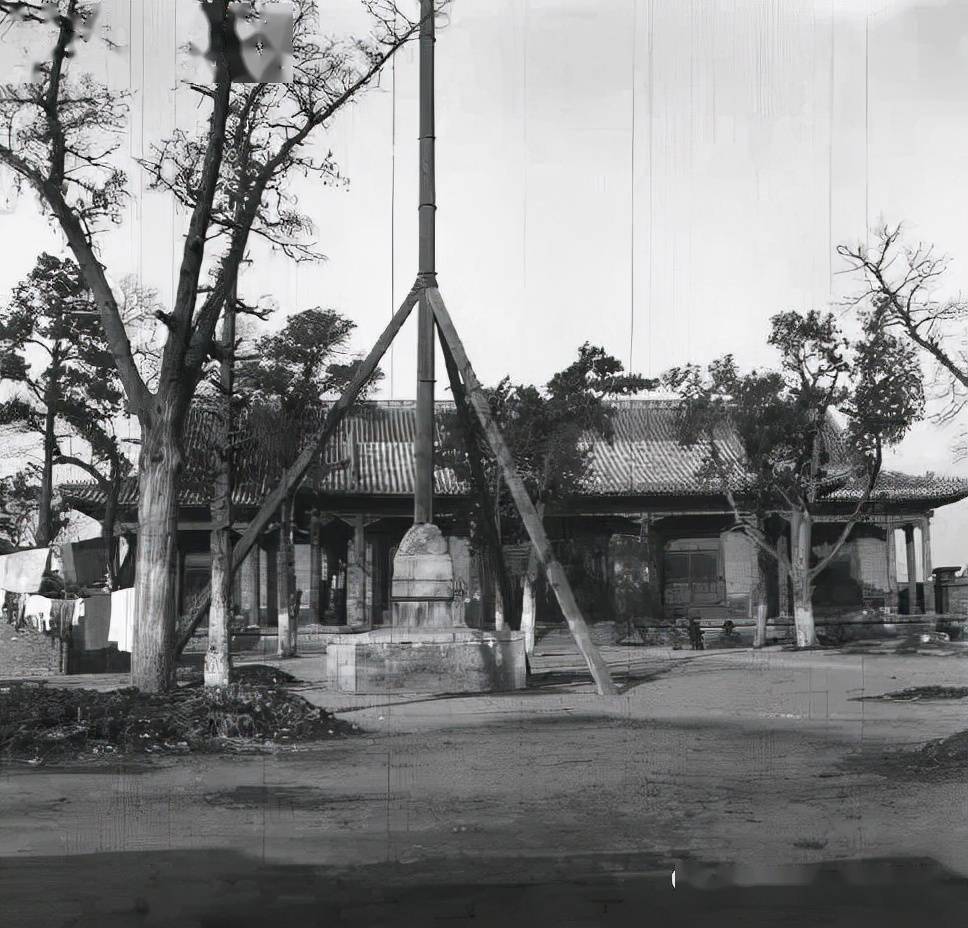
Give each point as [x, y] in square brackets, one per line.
[780, 629]
[27, 652]
[311, 638]
[952, 596]
[103, 660]
[427, 660]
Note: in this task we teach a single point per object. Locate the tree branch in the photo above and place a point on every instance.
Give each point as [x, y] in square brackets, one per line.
[854, 518]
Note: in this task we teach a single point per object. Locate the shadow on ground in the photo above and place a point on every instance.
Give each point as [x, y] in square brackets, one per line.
[218, 888]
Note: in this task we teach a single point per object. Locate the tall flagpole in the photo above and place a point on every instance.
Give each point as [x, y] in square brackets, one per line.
[423, 501]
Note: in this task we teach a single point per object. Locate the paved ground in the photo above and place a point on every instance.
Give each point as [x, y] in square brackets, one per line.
[555, 799]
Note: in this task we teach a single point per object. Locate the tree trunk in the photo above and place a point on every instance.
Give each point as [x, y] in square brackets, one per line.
[152, 656]
[760, 596]
[528, 614]
[315, 572]
[499, 623]
[112, 566]
[486, 575]
[45, 527]
[218, 657]
[287, 584]
[801, 537]
[529, 602]
[759, 637]
[218, 661]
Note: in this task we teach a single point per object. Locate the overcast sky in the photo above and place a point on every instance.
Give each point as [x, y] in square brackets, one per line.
[656, 177]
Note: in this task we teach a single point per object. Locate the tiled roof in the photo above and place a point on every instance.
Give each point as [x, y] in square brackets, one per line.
[373, 454]
[645, 458]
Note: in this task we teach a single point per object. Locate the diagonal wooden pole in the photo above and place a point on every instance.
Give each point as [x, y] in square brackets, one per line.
[297, 471]
[488, 523]
[542, 547]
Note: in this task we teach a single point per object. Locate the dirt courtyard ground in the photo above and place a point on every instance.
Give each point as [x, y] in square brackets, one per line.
[553, 806]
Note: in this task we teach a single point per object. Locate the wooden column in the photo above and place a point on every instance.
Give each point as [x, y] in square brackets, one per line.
[649, 535]
[892, 601]
[368, 584]
[328, 568]
[912, 569]
[783, 581]
[355, 575]
[929, 603]
[272, 579]
[251, 587]
[315, 568]
[286, 578]
[375, 580]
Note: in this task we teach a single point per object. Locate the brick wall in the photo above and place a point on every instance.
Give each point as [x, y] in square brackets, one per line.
[954, 595]
[27, 652]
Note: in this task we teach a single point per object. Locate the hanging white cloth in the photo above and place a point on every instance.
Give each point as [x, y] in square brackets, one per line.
[37, 612]
[23, 571]
[122, 618]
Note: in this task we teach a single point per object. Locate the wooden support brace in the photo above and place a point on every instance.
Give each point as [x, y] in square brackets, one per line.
[553, 569]
[297, 472]
[479, 479]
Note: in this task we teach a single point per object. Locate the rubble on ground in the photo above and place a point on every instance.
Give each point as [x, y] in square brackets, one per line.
[40, 723]
[924, 692]
[949, 753]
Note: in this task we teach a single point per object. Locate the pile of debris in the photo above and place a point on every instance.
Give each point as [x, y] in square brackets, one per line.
[946, 754]
[251, 674]
[941, 759]
[914, 693]
[40, 723]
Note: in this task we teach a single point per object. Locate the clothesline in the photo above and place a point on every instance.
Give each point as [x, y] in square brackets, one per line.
[93, 622]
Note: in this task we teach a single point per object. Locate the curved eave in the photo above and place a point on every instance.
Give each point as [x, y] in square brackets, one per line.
[914, 493]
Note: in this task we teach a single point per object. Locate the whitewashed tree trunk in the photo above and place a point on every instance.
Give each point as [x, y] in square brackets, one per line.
[152, 656]
[218, 660]
[528, 613]
[218, 657]
[801, 536]
[760, 639]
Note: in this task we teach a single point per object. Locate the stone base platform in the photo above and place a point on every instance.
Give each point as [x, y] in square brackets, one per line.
[427, 660]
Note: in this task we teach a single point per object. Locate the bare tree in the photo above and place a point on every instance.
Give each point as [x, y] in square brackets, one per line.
[902, 294]
[232, 181]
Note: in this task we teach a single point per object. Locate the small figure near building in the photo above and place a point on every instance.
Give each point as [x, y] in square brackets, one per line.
[696, 634]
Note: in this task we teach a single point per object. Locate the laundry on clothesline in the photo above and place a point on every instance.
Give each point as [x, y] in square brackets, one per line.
[62, 617]
[92, 621]
[23, 571]
[121, 628]
[37, 612]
